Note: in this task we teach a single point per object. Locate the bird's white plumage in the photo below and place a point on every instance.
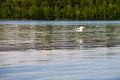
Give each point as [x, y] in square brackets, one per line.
[79, 29]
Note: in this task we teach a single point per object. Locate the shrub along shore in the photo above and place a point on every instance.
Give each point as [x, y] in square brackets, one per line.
[60, 9]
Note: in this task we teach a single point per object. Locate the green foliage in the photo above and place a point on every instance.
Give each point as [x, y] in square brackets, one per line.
[60, 9]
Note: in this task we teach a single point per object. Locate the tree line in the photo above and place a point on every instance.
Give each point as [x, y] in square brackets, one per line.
[60, 9]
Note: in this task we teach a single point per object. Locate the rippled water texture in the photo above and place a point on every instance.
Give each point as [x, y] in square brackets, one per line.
[53, 50]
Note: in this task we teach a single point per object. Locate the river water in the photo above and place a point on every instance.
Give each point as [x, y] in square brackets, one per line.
[53, 50]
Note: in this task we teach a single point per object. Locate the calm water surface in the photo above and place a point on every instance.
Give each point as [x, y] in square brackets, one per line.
[53, 50]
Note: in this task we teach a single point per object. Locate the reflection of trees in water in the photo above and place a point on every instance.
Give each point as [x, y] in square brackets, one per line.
[10, 33]
[14, 34]
[110, 30]
[59, 34]
[25, 32]
[112, 35]
[48, 37]
[2, 33]
[44, 34]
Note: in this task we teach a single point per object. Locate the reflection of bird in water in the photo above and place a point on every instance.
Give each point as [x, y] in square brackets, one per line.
[79, 42]
[79, 29]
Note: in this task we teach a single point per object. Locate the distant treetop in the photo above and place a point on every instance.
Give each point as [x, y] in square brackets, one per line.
[60, 9]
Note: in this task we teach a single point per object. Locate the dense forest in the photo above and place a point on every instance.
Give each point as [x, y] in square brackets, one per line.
[60, 9]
